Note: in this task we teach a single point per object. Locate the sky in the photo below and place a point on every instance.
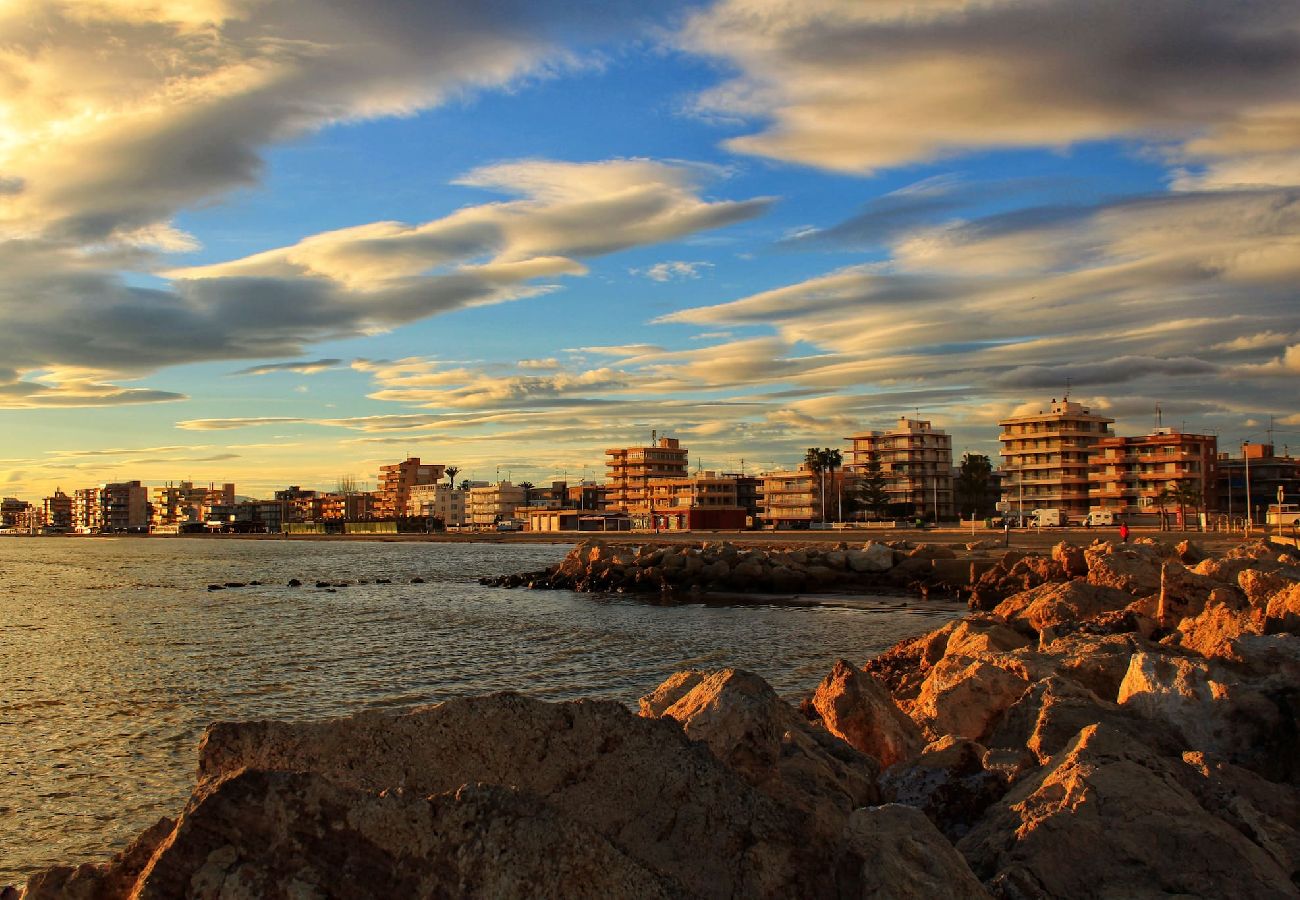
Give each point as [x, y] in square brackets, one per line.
[286, 242]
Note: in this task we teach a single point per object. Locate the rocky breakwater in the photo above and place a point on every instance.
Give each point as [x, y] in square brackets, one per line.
[1129, 729]
[598, 565]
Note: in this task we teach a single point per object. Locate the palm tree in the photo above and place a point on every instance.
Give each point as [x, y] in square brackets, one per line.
[451, 472]
[1163, 498]
[816, 464]
[1185, 494]
[833, 459]
[528, 492]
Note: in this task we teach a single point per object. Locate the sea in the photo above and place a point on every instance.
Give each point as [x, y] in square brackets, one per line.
[115, 655]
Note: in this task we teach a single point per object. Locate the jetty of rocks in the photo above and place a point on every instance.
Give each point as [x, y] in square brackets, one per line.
[1112, 721]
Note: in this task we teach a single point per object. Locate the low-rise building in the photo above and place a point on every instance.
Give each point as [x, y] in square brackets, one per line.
[439, 501]
[1267, 472]
[705, 500]
[792, 499]
[494, 503]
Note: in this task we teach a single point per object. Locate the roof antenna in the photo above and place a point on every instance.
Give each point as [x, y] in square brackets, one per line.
[1159, 420]
[1066, 398]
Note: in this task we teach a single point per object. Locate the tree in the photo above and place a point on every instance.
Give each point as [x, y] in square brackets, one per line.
[452, 472]
[815, 463]
[1163, 498]
[528, 487]
[465, 484]
[973, 480]
[1185, 494]
[833, 459]
[871, 494]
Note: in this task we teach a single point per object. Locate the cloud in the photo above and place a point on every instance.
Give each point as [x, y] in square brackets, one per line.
[72, 388]
[857, 87]
[227, 424]
[302, 368]
[119, 114]
[65, 308]
[672, 269]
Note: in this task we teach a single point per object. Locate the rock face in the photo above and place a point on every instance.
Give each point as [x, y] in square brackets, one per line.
[859, 709]
[901, 855]
[1145, 834]
[1058, 603]
[964, 696]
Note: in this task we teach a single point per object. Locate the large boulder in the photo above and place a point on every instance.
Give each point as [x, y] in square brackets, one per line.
[1071, 558]
[899, 854]
[1108, 818]
[949, 782]
[1059, 603]
[859, 709]
[871, 557]
[297, 834]
[1266, 812]
[1184, 593]
[1212, 631]
[1283, 611]
[674, 688]
[738, 716]
[641, 783]
[1133, 569]
[1214, 709]
[964, 696]
[974, 636]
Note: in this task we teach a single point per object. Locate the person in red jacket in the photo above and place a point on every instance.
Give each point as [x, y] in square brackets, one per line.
[1123, 532]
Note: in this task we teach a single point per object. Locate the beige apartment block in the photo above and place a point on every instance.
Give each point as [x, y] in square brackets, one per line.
[703, 500]
[87, 510]
[395, 483]
[792, 499]
[916, 462]
[439, 501]
[1046, 457]
[184, 502]
[125, 506]
[1128, 474]
[56, 510]
[629, 471]
[493, 503]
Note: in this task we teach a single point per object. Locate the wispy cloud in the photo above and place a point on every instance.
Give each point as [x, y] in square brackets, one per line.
[673, 269]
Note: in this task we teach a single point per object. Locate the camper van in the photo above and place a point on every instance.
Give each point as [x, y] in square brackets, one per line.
[1049, 518]
[1280, 514]
[1098, 517]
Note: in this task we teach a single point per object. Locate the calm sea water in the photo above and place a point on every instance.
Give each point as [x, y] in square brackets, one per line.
[114, 656]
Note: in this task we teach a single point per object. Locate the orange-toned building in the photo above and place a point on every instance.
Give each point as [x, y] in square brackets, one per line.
[1046, 458]
[1129, 473]
[630, 470]
[395, 482]
[703, 501]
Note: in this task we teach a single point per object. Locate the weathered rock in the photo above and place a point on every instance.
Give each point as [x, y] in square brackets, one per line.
[1108, 818]
[1053, 604]
[1184, 593]
[1189, 554]
[1212, 631]
[748, 727]
[1259, 586]
[1266, 812]
[1214, 710]
[640, 783]
[964, 696]
[948, 782]
[96, 881]
[857, 708]
[1223, 569]
[1134, 569]
[674, 688]
[972, 637]
[269, 834]
[1097, 662]
[1071, 558]
[1283, 611]
[872, 557]
[899, 854]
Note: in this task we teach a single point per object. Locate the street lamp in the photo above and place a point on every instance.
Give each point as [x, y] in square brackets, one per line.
[1245, 454]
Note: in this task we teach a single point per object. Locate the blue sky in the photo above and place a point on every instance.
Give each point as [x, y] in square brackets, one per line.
[277, 243]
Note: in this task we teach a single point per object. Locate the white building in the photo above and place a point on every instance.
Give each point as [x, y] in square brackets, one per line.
[439, 501]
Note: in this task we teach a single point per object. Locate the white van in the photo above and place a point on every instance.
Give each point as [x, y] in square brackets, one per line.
[1100, 517]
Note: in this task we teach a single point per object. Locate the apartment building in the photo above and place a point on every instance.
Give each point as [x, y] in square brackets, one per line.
[184, 503]
[1128, 474]
[87, 510]
[1260, 472]
[793, 499]
[395, 482]
[703, 500]
[439, 501]
[1046, 457]
[56, 511]
[916, 463]
[629, 471]
[13, 512]
[492, 503]
[125, 506]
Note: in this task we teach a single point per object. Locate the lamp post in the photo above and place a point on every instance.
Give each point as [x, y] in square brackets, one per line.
[1245, 454]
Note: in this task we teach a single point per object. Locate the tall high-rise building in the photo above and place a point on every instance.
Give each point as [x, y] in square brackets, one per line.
[629, 471]
[125, 506]
[1046, 455]
[916, 462]
[395, 482]
[87, 510]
